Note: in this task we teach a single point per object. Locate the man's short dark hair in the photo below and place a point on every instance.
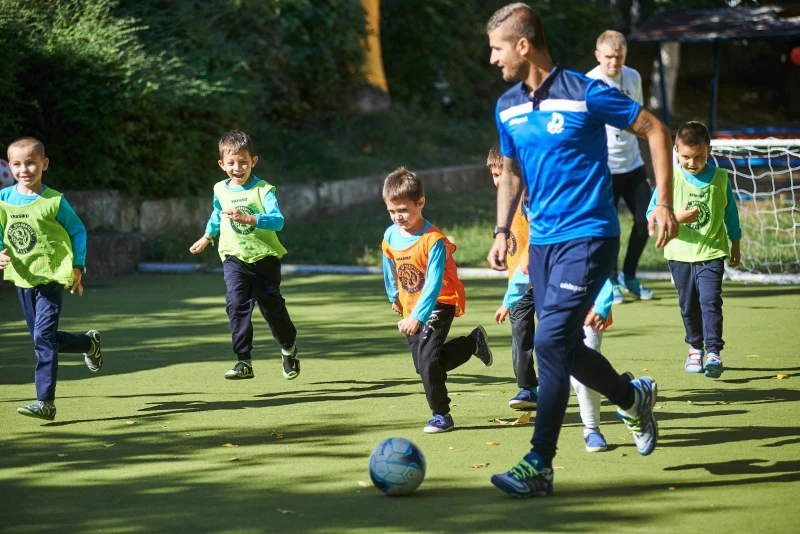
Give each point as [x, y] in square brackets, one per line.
[519, 21]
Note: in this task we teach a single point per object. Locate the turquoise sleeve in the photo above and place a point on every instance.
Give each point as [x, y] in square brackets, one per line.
[390, 279]
[731, 217]
[67, 218]
[434, 277]
[272, 218]
[212, 227]
[653, 202]
[518, 285]
[604, 300]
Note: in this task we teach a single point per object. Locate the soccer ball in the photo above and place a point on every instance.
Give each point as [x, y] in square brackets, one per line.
[6, 178]
[396, 466]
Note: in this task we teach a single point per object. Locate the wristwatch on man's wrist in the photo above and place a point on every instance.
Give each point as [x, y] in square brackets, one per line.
[500, 230]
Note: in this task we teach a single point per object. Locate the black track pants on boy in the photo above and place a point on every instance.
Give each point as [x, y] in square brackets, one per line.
[250, 284]
[433, 358]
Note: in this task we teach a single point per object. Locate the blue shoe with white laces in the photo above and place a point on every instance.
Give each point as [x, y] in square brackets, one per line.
[639, 418]
[439, 423]
[529, 478]
[524, 400]
[595, 442]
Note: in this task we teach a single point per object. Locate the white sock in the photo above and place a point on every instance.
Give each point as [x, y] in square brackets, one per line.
[287, 352]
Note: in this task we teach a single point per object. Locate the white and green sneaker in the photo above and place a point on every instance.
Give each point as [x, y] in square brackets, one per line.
[241, 371]
[39, 410]
[291, 363]
[94, 358]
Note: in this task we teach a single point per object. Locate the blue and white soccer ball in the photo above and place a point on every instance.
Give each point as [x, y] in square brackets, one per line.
[396, 466]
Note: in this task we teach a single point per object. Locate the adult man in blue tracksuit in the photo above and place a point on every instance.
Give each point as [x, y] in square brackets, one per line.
[552, 136]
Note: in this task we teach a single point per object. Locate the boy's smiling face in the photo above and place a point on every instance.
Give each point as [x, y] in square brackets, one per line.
[692, 159]
[406, 214]
[27, 166]
[238, 166]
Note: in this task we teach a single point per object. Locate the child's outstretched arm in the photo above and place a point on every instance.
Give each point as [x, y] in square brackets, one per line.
[598, 317]
[732, 226]
[390, 283]
[212, 229]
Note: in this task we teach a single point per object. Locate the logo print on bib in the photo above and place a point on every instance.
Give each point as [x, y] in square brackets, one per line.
[703, 214]
[511, 244]
[410, 277]
[22, 237]
[240, 228]
[556, 124]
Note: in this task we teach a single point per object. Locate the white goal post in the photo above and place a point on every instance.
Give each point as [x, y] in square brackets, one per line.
[765, 175]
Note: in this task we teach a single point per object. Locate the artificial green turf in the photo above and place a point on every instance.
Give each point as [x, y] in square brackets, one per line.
[728, 448]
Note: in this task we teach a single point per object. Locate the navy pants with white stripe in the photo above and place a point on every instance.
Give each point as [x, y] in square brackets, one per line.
[41, 306]
[566, 278]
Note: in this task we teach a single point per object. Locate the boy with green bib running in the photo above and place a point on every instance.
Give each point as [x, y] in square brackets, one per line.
[708, 217]
[250, 253]
[42, 251]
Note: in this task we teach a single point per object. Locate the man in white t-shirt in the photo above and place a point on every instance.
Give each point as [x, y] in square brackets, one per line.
[628, 173]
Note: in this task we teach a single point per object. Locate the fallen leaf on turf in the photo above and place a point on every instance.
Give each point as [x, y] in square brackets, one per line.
[229, 445]
[277, 435]
[478, 395]
[234, 459]
[503, 391]
[689, 402]
[187, 434]
[167, 423]
[657, 407]
[623, 454]
[285, 512]
[645, 370]
[493, 443]
[782, 377]
[690, 458]
[364, 483]
[478, 466]
[752, 356]
[524, 419]
[107, 445]
[392, 406]
[723, 402]
[452, 448]
[130, 422]
[453, 405]
[561, 467]
[671, 488]
[62, 455]
[367, 451]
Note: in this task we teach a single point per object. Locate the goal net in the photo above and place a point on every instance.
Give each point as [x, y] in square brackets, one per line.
[765, 175]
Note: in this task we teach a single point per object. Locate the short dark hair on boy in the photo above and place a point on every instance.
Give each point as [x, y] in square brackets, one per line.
[693, 134]
[495, 158]
[519, 20]
[28, 142]
[235, 141]
[403, 184]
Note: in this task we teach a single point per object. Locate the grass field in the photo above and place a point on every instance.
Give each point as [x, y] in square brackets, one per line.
[140, 447]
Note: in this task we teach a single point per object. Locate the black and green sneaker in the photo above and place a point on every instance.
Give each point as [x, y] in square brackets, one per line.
[39, 410]
[94, 358]
[291, 364]
[240, 371]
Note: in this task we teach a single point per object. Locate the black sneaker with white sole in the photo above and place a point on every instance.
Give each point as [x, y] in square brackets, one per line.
[94, 358]
[241, 371]
[291, 365]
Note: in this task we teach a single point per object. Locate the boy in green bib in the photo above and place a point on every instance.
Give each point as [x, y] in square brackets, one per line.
[708, 218]
[42, 251]
[245, 217]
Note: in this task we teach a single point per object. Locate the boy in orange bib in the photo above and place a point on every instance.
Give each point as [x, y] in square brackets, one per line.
[422, 284]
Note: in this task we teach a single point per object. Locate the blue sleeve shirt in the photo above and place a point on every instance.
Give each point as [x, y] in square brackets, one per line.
[66, 217]
[731, 216]
[271, 219]
[604, 300]
[558, 135]
[518, 285]
[434, 274]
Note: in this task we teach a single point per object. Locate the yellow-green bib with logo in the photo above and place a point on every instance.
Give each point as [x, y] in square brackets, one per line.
[243, 241]
[706, 239]
[40, 248]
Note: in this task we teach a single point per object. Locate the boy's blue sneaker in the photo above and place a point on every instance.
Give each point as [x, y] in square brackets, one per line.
[94, 358]
[241, 371]
[639, 418]
[694, 361]
[713, 365]
[634, 286]
[39, 410]
[291, 364]
[524, 400]
[439, 423]
[595, 442]
[482, 350]
[618, 297]
[529, 478]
